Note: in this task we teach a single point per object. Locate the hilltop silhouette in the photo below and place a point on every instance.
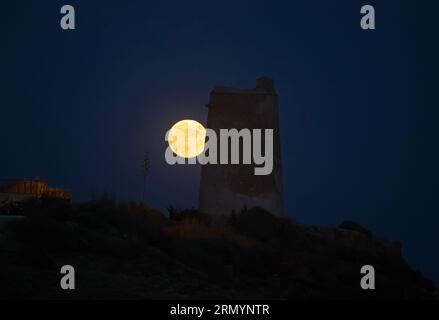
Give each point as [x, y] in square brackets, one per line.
[131, 251]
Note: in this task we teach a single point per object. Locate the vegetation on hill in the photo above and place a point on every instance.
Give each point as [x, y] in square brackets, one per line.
[131, 251]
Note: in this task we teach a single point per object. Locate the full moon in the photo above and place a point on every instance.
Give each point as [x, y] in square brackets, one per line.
[186, 138]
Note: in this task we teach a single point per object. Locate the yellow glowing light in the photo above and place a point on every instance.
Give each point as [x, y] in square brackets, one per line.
[186, 138]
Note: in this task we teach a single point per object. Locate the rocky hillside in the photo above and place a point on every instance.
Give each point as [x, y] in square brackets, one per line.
[129, 251]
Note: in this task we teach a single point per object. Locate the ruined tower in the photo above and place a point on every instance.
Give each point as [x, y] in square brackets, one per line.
[231, 187]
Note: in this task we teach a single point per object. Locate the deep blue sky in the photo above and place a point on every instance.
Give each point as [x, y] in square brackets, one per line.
[358, 109]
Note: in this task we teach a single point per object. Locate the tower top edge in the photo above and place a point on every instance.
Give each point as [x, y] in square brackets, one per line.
[264, 86]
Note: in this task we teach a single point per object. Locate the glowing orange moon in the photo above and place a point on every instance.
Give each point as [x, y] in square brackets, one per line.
[186, 138]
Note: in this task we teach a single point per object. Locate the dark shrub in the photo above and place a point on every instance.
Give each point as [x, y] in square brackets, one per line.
[350, 225]
[260, 224]
[46, 207]
[47, 233]
[188, 215]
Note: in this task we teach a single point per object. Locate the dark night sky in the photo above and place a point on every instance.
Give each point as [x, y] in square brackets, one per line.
[358, 109]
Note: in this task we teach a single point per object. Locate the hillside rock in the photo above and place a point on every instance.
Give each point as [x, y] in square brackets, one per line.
[132, 252]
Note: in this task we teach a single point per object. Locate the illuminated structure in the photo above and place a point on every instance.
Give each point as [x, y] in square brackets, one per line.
[22, 189]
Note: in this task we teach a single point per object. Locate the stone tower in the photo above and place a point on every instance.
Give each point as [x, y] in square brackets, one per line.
[231, 187]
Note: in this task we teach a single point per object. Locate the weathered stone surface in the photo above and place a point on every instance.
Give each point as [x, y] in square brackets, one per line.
[227, 188]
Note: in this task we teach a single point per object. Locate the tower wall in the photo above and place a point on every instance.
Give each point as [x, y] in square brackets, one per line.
[229, 187]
